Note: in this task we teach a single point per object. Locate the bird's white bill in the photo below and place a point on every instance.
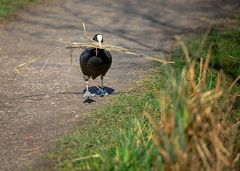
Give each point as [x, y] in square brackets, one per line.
[100, 44]
[99, 39]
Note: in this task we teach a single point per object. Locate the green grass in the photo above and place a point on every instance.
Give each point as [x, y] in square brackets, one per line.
[9, 7]
[225, 40]
[118, 137]
[117, 134]
[172, 121]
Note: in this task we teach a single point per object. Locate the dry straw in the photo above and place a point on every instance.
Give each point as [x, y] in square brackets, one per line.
[87, 42]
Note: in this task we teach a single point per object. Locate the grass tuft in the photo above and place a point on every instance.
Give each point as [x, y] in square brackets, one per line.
[196, 129]
[224, 37]
[9, 7]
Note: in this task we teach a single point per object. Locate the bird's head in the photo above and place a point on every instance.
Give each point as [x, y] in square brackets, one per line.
[98, 38]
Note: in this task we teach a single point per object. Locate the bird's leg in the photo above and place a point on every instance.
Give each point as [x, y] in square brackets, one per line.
[101, 91]
[87, 93]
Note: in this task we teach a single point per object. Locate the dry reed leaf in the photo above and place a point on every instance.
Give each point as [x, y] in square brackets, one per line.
[45, 63]
[237, 158]
[201, 154]
[206, 151]
[23, 66]
[192, 74]
[84, 29]
[185, 50]
[217, 87]
[233, 83]
[204, 40]
[221, 152]
[165, 156]
[86, 157]
[205, 65]
[151, 119]
[200, 70]
[162, 110]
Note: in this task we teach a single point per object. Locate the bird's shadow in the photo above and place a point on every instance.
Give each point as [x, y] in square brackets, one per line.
[43, 96]
[94, 90]
[88, 100]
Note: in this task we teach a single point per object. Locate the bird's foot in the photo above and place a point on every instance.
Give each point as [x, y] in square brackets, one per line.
[88, 95]
[102, 92]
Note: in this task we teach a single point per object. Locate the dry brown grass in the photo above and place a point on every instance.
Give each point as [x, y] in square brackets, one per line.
[196, 130]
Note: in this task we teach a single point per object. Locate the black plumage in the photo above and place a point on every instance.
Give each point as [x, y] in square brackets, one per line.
[95, 62]
[93, 65]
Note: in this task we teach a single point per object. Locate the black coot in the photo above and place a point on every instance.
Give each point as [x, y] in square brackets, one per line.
[95, 62]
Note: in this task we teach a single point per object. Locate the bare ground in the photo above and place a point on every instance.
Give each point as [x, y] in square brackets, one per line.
[41, 107]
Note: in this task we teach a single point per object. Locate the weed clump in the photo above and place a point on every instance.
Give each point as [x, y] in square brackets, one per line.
[197, 129]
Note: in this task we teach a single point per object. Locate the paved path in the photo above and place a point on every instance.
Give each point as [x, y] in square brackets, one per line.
[39, 108]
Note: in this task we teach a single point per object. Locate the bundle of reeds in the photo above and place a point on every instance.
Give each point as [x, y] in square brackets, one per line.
[86, 42]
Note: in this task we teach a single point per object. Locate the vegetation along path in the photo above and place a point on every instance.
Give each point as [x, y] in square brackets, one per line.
[40, 107]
